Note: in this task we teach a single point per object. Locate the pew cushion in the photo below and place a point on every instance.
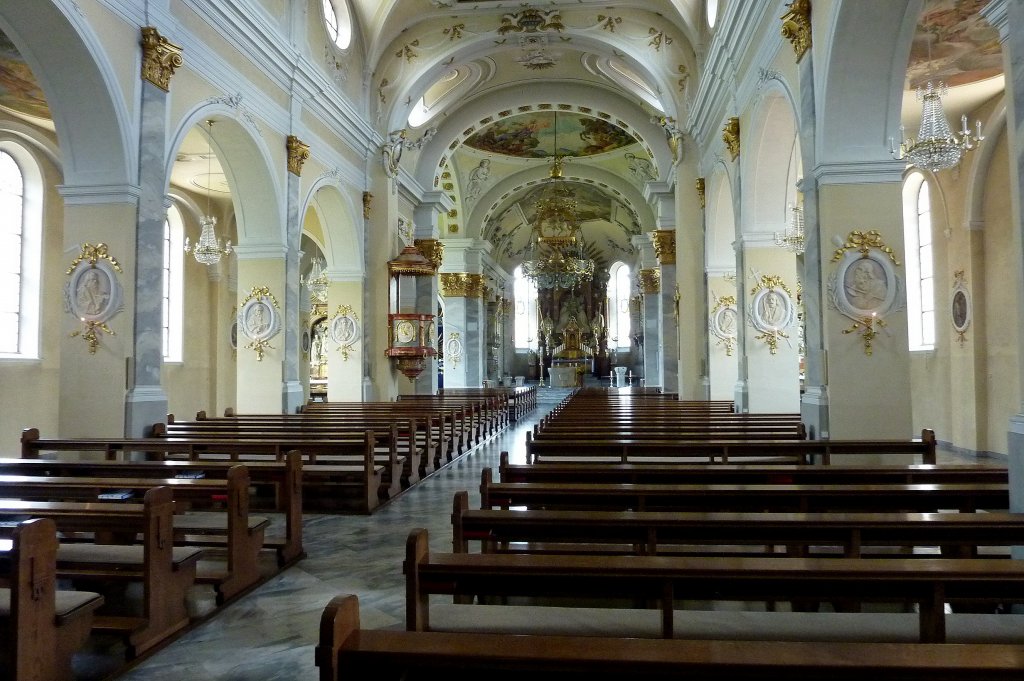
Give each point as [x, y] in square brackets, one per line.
[720, 624]
[117, 556]
[68, 603]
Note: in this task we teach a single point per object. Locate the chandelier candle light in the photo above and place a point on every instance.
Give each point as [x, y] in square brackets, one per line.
[793, 238]
[208, 250]
[937, 147]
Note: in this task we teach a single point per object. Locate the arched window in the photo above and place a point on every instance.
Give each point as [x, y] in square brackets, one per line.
[338, 21]
[917, 235]
[619, 287]
[173, 294]
[20, 252]
[524, 291]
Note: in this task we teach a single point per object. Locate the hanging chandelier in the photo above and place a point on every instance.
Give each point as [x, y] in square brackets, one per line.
[208, 249]
[793, 238]
[556, 257]
[316, 281]
[936, 147]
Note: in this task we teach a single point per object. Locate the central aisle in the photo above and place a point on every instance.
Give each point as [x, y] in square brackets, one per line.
[269, 635]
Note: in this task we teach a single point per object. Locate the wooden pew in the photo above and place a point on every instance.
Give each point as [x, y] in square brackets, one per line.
[447, 428]
[927, 583]
[354, 487]
[42, 627]
[621, 450]
[795, 534]
[384, 452]
[239, 533]
[285, 476]
[750, 473]
[166, 572]
[923, 498]
[347, 651]
[413, 447]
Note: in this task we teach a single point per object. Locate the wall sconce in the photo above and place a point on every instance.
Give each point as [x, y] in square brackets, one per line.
[868, 328]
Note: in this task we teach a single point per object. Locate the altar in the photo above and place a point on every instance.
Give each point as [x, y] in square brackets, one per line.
[564, 376]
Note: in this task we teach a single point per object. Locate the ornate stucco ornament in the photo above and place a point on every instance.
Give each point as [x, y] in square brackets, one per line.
[531, 20]
[865, 286]
[298, 152]
[345, 330]
[731, 137]
[93, 293]
[160, 58]
[772, 310]
[664, 246]
[723, 323]
[650, 281]
[259, 320]
[432, 250]
[700, 190]
[796, 26]
[462, 285]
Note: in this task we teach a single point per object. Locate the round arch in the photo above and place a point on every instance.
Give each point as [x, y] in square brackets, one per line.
[721, 222]
[774, 144]
[95, 141]
[256, 193]
[343, 241]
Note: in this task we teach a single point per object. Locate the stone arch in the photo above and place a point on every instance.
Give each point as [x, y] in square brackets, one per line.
[721, 221]
[974, 217]
[854, 124]
[343, 240]
[770, 150]
[450, 132]
[256, 191]
[96, 146]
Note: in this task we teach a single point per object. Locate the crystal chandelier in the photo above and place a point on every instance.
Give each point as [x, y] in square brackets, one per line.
[936, 147]
[793, 238]
[557, 259]
[208, 249]
[316, 281]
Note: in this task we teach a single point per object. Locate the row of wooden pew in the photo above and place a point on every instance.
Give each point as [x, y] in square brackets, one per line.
[589, 552]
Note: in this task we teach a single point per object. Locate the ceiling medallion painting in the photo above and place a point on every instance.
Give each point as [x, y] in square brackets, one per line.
[954, 44]
[19, 90]
[533, 136]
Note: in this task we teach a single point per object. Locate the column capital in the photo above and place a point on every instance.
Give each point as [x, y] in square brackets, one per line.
[664, 241]
[649, 281]
[462, 285]
[160, 58]
[298, 153]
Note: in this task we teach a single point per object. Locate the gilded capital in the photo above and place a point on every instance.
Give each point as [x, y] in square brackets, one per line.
[160, 57]
[700, 190]
[665, 246]
[731, 137]
[298, 152]
[796, 26]
[650, 281]
[462, 285]
[432, 250]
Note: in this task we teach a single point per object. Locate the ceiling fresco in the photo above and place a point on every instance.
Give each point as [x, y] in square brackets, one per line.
[535, 135]
[19, 90]
[954, 44]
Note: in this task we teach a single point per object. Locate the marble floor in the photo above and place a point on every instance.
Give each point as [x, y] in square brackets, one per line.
[270, 633]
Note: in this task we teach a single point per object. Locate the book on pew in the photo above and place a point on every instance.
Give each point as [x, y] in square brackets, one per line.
[116, 495]
[190, 475]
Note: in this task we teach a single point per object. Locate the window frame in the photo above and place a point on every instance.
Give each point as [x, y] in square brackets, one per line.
[530, 312]
[340, 30]
[173, 294]
[921, 312]
[31, 238]
[619, 286]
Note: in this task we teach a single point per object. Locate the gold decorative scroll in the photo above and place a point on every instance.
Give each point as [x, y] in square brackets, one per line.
[731, 137]
[650, 281]
[432, 250]
[864, 242]
[461, 285]
[367, 200]
[665, 246]
[796, 26]
[160, 57]
[700, 190]
[298, 152]
[771, 336]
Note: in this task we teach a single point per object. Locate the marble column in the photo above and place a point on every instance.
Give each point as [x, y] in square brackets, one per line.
[145, 400]
[814, 401]
[648, 278]
[664, 241]
[1008, 17]
[426, 218]
[464, 322]
[292, 393]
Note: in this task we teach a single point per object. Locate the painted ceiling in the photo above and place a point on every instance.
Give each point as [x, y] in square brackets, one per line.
[544, 134]
[954, 44]
[19, 91]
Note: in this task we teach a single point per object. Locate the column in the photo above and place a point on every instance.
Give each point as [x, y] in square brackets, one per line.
[1008, 17]
[292, 392]
[664, 242]
[260, 367]
[346, 329]
[425, 218]
[145, 400]
[464, 329]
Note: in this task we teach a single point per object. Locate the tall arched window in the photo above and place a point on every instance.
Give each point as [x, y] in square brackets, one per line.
[174, 284]
[524, 333]
[619, 287]
[917, 234]
[20, 252]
